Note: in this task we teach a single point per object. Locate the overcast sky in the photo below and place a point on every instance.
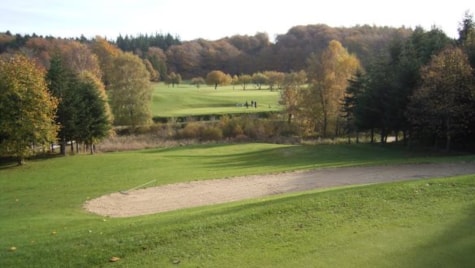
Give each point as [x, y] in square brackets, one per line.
[214, 19]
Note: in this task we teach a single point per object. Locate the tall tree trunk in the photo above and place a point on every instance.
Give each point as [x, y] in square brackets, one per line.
[325, 119]
[63, 146]
[448, 136]
[93, 148]
[404, 137]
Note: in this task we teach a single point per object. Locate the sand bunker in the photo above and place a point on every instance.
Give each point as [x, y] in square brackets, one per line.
[200, 193]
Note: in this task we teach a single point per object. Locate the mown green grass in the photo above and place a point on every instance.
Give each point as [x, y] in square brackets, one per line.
[188, 100]
[417, 224]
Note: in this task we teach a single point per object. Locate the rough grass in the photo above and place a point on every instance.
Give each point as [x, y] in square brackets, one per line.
[418, 224]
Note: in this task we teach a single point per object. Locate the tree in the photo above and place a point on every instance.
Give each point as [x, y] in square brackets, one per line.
[391, 79]
[185, 59]
[356, 87]
[158, 59]
[467, 37]
[93, 115]
[275, 79]
[79, 58]
[292, 95]
[259, 79]
[106, 53]
[245, 79]
[130, 91]
[154, 75]
[216, 78]
[466, 28]
[442, 107]
[328, 75]
[59, 80]
[197, 81]
[234, 81]
[75, 56]
[26, 106]
[173, 78]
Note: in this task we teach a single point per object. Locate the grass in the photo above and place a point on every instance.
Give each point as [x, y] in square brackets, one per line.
[187, 100]
[414, 224]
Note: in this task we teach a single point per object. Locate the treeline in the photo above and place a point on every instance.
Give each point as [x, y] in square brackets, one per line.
[333, 81]
[142, 42]
[250, 54]
[241, 54]
[420, 87]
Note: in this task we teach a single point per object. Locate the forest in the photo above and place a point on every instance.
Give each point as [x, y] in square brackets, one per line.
[416, 85]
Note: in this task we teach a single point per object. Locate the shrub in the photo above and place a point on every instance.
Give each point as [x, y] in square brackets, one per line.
[231, 127]
[212, 134]
[192, 130]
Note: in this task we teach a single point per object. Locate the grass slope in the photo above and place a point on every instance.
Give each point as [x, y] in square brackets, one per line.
[416, 224]
[187, 100]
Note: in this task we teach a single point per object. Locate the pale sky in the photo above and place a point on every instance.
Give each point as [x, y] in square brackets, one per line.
[214, 19]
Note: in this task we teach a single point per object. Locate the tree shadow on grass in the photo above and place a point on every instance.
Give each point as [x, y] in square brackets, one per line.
[11, 162]
[313, 156]
[7, 163]
[455, 247]
[292, 157]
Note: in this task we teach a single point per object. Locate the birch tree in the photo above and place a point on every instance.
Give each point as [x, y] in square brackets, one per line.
[328, 75]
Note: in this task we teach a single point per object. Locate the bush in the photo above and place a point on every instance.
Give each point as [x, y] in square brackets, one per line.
[212, 134]
[192, 130]
[231, 127]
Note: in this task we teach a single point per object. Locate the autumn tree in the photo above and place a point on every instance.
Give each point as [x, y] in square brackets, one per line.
[106, 54]
[185, 59]
[197, 81]
[259, 79]
[130, 91]
[274, 79]
[291, 96]
[216, 78]
[245, 79]
[328, 75]
[79, 58]
[26, 106]
[75, 56]
[443, 106]
[234, 81]
[154, 75]
[158, 59]
[173, 79]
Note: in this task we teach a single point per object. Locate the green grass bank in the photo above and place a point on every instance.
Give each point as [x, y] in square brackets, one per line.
[425, 223]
